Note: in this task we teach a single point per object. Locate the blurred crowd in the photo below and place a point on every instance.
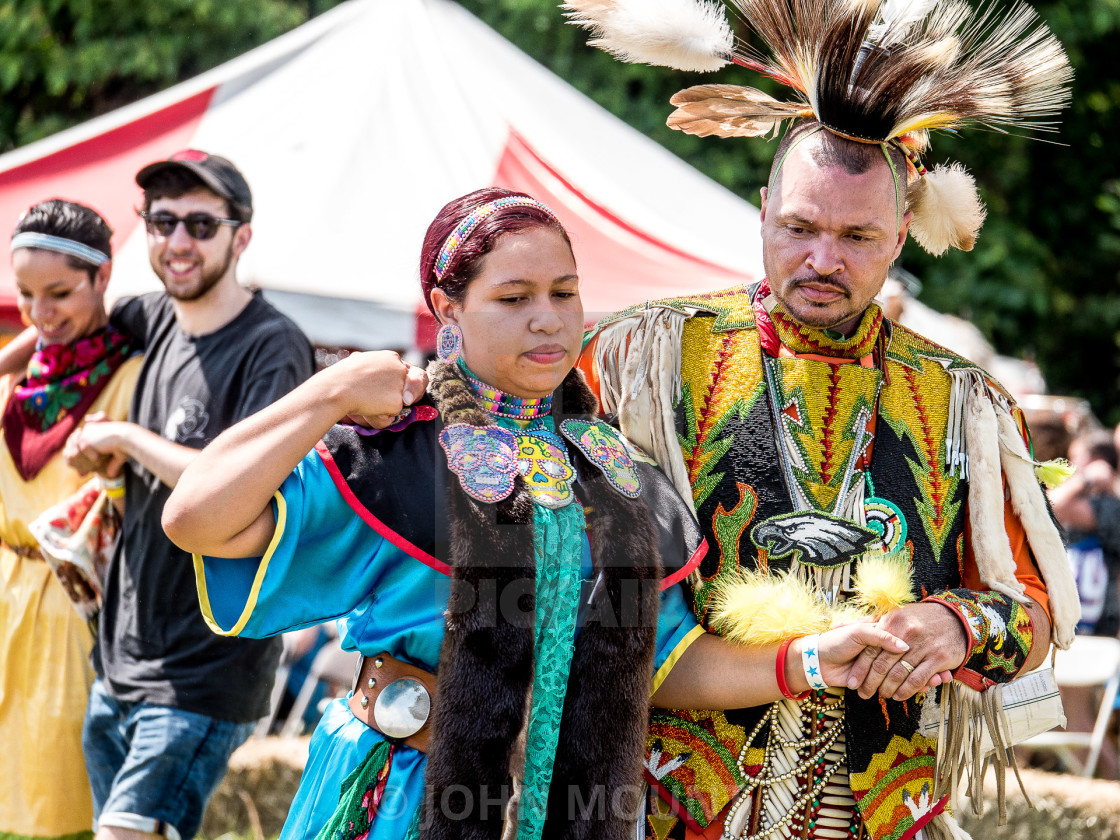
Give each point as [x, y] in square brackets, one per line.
[1087, 504]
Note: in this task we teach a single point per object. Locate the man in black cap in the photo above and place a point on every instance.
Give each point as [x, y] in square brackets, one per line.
[173, 700]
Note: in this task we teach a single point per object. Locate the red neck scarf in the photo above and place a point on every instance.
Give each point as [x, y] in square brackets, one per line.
[62, 382]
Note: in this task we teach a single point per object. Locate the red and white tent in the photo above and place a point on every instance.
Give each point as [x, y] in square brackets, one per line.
[354, 129]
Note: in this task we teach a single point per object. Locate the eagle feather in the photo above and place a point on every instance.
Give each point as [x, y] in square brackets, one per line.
[729, 111]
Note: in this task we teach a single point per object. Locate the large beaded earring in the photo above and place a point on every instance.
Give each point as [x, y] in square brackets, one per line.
[449, 343]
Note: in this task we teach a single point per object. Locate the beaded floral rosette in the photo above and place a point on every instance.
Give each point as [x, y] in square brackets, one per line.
[543, 463]
[608, 450]
[483, 457]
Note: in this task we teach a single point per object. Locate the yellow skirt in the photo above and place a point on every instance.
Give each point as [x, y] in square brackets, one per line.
[45, 677]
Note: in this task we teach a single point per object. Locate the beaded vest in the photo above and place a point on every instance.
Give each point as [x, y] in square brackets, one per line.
[765, 436]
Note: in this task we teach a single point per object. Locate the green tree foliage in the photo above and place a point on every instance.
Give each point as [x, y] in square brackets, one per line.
[1042, 281]
[64, 61]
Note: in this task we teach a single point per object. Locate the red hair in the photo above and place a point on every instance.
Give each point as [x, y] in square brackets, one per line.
[467, 259]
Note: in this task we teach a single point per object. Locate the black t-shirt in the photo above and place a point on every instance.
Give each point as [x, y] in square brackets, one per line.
[153, 644]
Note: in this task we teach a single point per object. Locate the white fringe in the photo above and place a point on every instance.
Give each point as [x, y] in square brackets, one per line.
[641, 387]
[974, 733]
[990, 544]
[956, 449]
[981, 443]
[1029, 503]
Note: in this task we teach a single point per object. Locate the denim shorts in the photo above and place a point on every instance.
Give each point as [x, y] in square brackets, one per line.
[153, 768]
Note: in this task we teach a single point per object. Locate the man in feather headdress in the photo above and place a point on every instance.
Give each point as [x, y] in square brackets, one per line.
[842, 464]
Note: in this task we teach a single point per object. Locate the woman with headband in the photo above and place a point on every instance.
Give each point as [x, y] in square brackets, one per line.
[81, 365]
[464, 547]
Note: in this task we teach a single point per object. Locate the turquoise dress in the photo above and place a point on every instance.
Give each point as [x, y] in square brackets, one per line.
[327, 562]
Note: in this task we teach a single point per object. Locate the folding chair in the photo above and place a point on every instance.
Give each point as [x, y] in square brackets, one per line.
[264, 725]
[331, 664]
[1091, 661]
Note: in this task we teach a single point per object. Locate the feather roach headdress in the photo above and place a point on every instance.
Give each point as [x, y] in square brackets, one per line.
[872, 71]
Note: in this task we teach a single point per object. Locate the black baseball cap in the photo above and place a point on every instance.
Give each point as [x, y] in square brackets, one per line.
[217, 173]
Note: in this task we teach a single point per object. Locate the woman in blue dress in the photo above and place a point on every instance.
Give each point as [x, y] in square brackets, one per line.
[508, 565]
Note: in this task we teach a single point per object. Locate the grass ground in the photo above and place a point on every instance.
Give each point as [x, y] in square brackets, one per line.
[253, 800]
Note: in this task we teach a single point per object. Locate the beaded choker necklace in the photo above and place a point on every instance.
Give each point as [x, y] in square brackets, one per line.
[501, 404]
[801, 339]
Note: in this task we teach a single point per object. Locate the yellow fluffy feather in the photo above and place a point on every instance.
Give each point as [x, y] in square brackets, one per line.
[849, 613]
[1053, 473]
[753, 608]
[882, 583]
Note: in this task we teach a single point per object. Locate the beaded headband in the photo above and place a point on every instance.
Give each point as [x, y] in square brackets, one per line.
[476, 217]
[911, 156]
[29, 239]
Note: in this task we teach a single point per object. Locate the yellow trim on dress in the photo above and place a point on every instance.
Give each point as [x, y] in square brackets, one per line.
[677, 652]
[258, 579]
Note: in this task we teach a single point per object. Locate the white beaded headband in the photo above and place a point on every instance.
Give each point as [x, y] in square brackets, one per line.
[30, 239]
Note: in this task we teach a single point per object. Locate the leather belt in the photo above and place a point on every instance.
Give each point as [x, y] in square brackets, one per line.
[377, 673]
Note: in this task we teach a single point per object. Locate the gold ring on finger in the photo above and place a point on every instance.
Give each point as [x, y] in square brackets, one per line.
[909, 668]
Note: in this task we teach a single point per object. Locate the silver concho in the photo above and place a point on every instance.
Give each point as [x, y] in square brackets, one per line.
[402, 708]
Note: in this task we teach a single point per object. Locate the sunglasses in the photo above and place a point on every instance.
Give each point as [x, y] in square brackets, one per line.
[198, 225]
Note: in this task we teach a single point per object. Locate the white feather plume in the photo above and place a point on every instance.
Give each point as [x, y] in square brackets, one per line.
[947, 209]
[691, 35]
[896, 17]
[906, 11]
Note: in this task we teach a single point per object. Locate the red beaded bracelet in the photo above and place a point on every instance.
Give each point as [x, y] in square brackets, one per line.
[780, 672]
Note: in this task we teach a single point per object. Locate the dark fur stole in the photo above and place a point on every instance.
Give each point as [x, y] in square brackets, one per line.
[486, 662]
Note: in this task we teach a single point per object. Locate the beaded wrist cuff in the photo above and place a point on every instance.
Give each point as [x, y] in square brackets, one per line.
[1000, 635]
